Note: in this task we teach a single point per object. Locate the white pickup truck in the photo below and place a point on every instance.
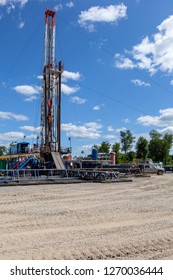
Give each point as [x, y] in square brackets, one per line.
[151, 168]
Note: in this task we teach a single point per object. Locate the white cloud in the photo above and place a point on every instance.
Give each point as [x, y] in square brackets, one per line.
[40, 77]
[108, 14]
[101, 61]
[9, 116]
[93, 125]
[69, 90]
[123, 62]
[98, 107]
[23, 2]
[89, 130]
[77, 100]
[164, 119]
[151, 54]
[30, 128]
[21, 25]
[67, 75]
[30, 98]
[86, 148]
[140, 83]
[70, 4]
[4, 84]
[29, 91]
[11, 3]
[168, 129]
[3, 2]
[10, 8]
[126, 120]
[32, 136]
[110, 136]
[110, 128]
[58, 7]
[74, 76]
[11, 136]
[120, 129]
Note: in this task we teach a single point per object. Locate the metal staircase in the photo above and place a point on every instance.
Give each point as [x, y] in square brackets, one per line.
[57, 160]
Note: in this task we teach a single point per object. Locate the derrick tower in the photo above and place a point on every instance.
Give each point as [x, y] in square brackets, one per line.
[51, 94]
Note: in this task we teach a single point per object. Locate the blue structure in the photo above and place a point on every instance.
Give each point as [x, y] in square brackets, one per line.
[19, 148]
[94, 154]
[22, 148]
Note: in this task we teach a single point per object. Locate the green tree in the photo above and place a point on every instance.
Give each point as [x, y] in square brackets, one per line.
[159, 146]
[104, 147]
[130, 156]
[142, 148]
[127, 140]
[154, 134]
[3, 150]
[157, 149]
[168, 138]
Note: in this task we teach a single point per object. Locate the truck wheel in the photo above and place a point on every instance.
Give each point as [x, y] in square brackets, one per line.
[160, 172]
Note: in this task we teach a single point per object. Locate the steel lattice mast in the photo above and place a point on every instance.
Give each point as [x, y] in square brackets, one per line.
[50, 105]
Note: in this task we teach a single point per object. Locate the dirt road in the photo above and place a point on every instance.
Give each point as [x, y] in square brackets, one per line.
[131, 220]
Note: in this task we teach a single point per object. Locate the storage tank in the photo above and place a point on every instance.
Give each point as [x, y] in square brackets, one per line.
[13, 148]
[112, 158]
[94, 154]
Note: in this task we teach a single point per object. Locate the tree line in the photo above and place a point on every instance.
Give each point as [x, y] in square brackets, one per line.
[158, 148]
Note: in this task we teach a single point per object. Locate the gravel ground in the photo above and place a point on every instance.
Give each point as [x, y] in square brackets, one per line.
[132, 220]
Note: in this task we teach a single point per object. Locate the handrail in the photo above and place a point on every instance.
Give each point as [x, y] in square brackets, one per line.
[44, 174]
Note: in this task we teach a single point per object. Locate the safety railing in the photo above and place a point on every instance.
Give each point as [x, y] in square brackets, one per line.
[31, 174]
[47, 174]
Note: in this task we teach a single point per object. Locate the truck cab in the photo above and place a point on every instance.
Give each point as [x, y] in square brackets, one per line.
[151, 168]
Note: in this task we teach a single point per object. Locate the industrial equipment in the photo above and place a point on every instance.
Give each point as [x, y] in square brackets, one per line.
[50, 148]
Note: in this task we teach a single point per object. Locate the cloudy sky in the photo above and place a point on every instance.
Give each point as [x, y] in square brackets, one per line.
[118, 68]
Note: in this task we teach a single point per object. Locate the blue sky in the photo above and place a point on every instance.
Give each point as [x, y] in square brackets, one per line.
[118, 68]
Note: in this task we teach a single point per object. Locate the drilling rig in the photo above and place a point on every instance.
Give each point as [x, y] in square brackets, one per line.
[50, 144]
